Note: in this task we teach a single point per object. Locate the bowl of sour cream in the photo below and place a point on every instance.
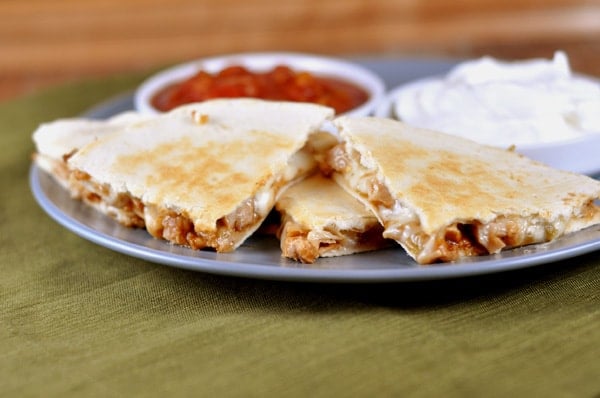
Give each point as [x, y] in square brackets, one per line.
[538, 107]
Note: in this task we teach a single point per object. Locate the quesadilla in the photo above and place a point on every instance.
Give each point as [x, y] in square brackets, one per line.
[58, 140]
[203, 175]
[319, 219]
[442, 197]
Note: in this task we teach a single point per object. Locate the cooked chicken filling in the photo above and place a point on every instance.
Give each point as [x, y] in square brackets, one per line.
[57, 168]
[306, 245]
[178, 227]
[167, 224]
[466, 238]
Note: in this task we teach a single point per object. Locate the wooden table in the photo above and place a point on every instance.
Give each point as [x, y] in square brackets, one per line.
[48, 42]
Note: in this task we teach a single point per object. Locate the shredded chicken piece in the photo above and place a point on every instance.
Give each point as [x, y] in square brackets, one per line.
[164, 223]
[296, 245]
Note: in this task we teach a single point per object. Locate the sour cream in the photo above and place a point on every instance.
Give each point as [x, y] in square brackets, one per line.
[505, 103]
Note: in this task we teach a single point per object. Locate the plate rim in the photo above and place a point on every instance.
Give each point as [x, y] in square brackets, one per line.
[301, 274]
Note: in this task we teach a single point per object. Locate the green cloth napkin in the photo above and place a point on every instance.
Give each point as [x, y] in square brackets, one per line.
[77, 319]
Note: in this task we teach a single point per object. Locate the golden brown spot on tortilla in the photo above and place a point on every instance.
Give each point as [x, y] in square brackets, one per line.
[216, 172]
[445, 177]
[396, 155]
[573, 199]
[200, 118]
[464, 181]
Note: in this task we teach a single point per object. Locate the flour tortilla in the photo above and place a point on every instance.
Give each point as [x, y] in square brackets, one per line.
[443, 197]
[58, 140]
[204, 175]
[319, 219]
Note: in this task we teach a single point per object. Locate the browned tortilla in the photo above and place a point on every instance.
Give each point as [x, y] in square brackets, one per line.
[443, 197]
[203, 175]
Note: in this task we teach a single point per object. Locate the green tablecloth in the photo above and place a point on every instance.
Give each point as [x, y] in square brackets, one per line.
[78, 319]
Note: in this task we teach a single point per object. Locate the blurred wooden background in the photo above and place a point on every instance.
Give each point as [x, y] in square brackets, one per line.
[47, 42]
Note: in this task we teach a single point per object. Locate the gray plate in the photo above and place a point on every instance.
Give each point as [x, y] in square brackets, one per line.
[260, 256]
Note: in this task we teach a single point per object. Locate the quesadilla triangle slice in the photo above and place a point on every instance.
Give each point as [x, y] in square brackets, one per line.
[319, 219]
[58, 140]
[203, 175]
[443, 197]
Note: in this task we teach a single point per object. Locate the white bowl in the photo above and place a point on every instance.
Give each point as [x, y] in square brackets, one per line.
[580, 155]
[317, 65]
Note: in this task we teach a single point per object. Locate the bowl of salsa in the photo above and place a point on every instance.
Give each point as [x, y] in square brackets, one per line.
[345, 86]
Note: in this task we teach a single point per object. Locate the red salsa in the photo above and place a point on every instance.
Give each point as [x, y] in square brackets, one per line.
[280, 83]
